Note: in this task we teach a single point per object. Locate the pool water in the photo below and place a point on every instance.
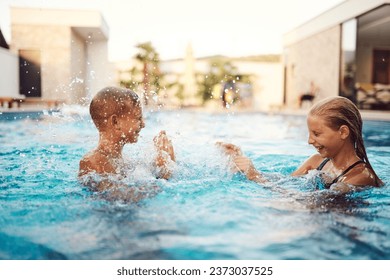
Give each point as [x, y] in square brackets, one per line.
[203, 211]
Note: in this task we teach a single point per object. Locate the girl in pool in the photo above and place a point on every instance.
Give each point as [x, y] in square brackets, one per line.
[335, 131]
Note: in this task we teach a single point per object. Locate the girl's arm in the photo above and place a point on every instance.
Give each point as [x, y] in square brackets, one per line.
[241, 163]
[311, 163]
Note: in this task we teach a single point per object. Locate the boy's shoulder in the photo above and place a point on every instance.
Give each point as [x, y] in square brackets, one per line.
[92, 162]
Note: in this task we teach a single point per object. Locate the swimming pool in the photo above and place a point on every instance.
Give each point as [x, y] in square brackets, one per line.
[203, 212]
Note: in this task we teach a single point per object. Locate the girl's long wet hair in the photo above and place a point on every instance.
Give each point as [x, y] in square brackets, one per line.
[338, 111]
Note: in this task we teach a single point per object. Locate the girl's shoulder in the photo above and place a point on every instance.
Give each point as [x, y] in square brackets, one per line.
[314, 161]
[311, 163]
[360, 176]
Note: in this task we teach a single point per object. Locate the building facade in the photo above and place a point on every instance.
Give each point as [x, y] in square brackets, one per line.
[264, 93]
[345, 52]
[9, 78]
[63, 54]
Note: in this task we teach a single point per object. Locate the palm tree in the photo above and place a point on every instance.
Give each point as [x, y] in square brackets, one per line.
[150, 60]
[220, 71]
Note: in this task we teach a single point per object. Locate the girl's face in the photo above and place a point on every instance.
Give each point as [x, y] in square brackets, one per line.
[327, 141]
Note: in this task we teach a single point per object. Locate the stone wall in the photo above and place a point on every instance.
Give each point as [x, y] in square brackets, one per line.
[316, 59]
[9, 78]
[54, 44]
[72, 68]
[78, 70]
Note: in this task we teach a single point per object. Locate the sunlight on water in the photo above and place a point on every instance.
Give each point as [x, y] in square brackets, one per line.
[203, 211]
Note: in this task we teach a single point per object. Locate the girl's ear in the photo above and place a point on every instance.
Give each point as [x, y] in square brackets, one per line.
[344, 132]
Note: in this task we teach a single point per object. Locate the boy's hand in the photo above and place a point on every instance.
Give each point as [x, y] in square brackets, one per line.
[163, 144]
[165, 154]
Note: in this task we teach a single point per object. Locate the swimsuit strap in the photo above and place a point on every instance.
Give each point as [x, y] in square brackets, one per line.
[346, 170]
[322, 164]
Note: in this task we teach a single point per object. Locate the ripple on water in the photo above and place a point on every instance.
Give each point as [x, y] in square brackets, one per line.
[202, 212]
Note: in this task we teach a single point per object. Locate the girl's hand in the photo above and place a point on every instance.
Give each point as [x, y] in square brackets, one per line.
[230, 149]
[342, 188]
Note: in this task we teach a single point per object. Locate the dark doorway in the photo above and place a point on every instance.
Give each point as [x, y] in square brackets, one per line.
[381, 67]
[30, 73]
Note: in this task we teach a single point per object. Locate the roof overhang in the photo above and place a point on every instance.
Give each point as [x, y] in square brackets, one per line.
[344, 11]
[88, 24]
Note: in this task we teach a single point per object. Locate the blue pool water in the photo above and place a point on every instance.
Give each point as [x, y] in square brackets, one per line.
[203, 212]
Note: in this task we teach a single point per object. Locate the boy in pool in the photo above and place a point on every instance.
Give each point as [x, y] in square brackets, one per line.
[335, 130]
[117, 114]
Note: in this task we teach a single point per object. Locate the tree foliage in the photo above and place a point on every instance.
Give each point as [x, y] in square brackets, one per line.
[147, 73]
[221, 70]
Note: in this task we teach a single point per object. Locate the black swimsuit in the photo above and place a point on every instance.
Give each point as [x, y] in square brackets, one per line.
[325, 161]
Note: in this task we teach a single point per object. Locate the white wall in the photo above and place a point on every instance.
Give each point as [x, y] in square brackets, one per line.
[100, 72]
[342, 12]
[78, 73]
[315, 59]
[74, 59]
[267, 79]
[9, 78]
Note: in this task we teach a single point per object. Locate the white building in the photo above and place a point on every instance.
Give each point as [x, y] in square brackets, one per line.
[344, 51]
[9, 78]
[266, 79]
[62, 53]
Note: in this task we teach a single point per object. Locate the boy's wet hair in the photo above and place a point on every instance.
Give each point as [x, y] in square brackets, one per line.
[338, 111]
[112, 100]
